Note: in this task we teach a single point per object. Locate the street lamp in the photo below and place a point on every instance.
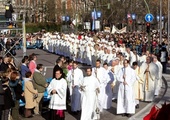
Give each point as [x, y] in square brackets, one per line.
[134, 20]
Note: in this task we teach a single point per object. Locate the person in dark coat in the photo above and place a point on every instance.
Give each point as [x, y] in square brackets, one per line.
[16, 88]
[163, 55]
[8, 46]
[8, 101]
[57, 66]
[24, 67]
[4, 65]
[1, 98]
[9, 10]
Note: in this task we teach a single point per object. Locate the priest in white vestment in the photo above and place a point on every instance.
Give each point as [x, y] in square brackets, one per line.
[57, 90]
[90, 89]
[88, 57]
[138, 85]
[126, 98]
[150, 73]
[134, 58]
[107, 102]
[158, 84]
[115, 69]
[101, 74]
[75, 77]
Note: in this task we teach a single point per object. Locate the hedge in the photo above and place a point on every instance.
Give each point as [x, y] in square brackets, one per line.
[35, 27]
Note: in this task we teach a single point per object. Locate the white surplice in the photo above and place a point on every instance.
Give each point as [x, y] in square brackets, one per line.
[75, 78]
[138, 85]
[149, 78]
[126, 97]
[102, 76]
[89, 98]
[116, 82]
[57, 101]
[107, 102]
[158, 83]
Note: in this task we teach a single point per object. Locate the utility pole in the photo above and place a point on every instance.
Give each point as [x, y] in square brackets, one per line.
[76, 16]
[24, 34]
[168, 26]
[160, 24]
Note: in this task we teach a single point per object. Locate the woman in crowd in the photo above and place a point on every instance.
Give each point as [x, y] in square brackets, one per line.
[1, 98]
[30, 93]
[11, 63]
[17, 93]
[8, 47]
[32, 65]
[24, 68]
[8, 101]
[70, 64]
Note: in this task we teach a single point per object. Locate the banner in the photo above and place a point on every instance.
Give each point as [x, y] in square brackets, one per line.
[97, 24]
[123, 30]
[116, 30]
[107, 29]
[87, 25]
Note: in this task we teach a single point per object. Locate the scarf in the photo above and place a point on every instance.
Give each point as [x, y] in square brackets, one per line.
[60, 113]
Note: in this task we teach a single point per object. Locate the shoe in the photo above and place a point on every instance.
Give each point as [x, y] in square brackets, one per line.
[137, 106]
[75, 113]
[123, 115]
[128, 115]
[29, 116]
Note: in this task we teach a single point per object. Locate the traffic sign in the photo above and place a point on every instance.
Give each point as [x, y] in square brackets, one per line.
[149, 17]
[128, 15]
[133, 16]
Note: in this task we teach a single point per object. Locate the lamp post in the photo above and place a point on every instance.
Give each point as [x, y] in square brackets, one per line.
[134, 21]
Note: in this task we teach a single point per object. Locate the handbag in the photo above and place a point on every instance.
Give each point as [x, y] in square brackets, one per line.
[35, 96]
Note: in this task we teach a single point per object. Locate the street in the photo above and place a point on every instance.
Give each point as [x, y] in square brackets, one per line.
[48, 60]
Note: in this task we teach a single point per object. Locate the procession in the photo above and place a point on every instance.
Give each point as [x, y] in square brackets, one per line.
[84, 60]
[116, 70]
[120, 72]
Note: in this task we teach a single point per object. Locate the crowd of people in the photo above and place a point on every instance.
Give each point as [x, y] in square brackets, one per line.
[21, 83]
[120, 67]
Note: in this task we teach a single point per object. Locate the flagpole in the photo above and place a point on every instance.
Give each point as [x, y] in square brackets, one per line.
[93, 17]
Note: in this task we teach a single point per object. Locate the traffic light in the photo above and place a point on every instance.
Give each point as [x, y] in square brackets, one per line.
[148, 25]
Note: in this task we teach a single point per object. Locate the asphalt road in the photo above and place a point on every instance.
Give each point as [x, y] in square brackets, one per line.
[48, 60]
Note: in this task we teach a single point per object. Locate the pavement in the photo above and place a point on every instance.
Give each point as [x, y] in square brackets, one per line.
[48, 60]
[161, 99]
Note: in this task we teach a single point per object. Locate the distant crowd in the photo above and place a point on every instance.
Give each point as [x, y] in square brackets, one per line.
[121, 67]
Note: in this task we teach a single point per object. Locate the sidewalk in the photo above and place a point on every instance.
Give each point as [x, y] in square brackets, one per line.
[164, 96]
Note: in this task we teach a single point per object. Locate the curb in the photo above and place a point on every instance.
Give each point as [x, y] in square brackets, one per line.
[145, 110]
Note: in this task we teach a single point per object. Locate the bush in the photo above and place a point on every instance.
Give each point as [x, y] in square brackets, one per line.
[35, 27]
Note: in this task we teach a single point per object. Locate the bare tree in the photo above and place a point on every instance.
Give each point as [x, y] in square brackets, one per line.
[51, 10]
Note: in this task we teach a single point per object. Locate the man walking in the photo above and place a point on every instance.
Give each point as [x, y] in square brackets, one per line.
[75, 77]
[90, 90]
[150, 76]
[126, 99]
[40, 84]
[102, 76]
